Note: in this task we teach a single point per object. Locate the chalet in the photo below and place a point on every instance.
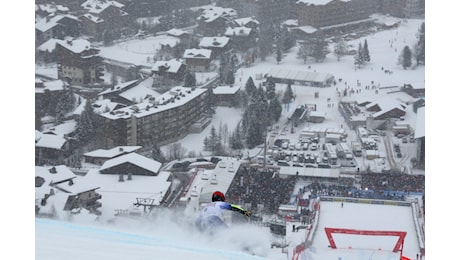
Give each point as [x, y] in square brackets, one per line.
[217, 45]
[226, 95]
[48, 92]
[57, 27]
[103, 18]
[79, 63]
[172, 71]
[51, 149]
[213, 19]
[198, 59]
[249, 22]
[47, 181]
[83, 198]
[43, 10]
[243, 38]
[100, 156]
[131, 164]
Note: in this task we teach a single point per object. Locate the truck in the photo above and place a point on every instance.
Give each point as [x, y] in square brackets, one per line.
[356, 148]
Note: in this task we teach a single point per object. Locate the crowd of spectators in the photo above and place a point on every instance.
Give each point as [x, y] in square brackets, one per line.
[258, 186]
[255, 186]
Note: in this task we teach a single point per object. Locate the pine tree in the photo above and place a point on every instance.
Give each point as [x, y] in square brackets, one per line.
[288, 94]
[319, 48]
[366, 55]
[250, 87]
[341, 49]
[230, 80]
[279, 54]
[359, 58]
[190, 80]
[303, 52]
[274, 110]
[271, 87]
[419, 49]
[85, 128]
[406, 61]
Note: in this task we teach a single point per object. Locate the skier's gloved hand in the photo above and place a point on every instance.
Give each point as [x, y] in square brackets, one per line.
[247, 213]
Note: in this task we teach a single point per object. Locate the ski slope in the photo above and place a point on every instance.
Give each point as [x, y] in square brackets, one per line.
[59, 240]
[169, 237]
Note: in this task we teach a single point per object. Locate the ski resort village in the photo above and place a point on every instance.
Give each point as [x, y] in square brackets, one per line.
[311, 118]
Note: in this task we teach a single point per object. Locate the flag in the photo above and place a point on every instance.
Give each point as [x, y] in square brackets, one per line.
[404, 258]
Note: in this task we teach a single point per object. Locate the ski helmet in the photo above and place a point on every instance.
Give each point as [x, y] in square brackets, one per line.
[218, 196]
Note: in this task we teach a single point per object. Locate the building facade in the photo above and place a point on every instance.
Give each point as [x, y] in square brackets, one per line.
[79, 63]
[160, 121]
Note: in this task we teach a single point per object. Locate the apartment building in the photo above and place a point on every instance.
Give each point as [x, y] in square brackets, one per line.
[159, 121]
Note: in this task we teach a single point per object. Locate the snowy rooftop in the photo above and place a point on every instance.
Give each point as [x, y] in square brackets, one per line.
[216, 41]
[180, 95]
[197, 53]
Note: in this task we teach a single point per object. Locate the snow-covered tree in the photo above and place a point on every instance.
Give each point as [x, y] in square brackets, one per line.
[405, 58]
[279, 54]
[303, 52]
[250, 87]
[340, 49]
[419, 48]
[190, 79]
[366, 55]
[288, 94]
[359, 58]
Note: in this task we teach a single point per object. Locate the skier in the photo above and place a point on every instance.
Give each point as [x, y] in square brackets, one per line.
[210, 218]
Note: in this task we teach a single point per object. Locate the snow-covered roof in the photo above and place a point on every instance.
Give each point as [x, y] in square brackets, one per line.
[45, 24]
[113, 152]
[172, 65]
[119, 87]
[180, 95]
[135, 159]
[140, 92]
[245, 20]
[51, 8]
[238, 31]
[214, 42]
[61, 173]
[197, 53]
[62, 129]
[97, 6]
[222, 90]
[51, 141]
[93, 18]
[211, 13]
[49, 45]
[176, 32]
[299, 75]
[102, 106]
[53, 85]
[76, 46]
